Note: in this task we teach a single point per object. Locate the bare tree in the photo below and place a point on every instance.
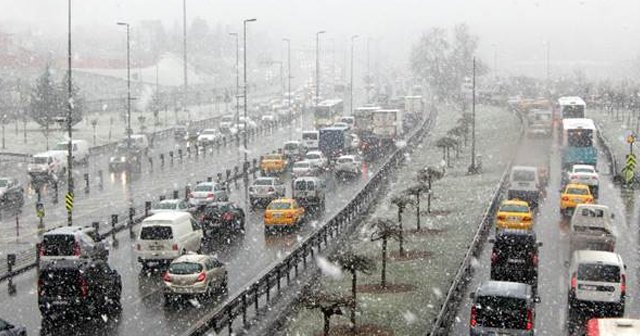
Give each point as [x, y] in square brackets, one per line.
[385, 229]
[354, 263]
[417, 190]
[401, 201]
[329, 304]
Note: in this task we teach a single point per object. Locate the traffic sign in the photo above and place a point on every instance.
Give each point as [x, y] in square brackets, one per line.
[631, 138]
[68, 200]
[631, 161]
[39, 210]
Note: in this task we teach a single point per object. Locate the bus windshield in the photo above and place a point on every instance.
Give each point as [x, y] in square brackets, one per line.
[573, 111]
[580, 138]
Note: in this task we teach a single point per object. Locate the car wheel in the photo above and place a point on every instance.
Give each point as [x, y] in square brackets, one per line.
[169, 299]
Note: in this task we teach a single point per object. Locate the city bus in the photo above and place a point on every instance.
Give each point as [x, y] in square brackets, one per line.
[327, 111]
[571, 107]
[578, 141]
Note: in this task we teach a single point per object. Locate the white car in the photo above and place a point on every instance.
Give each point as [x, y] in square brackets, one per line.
[208, 192]
[317, 159]
[208, 136]
[310, 139]
[355, 141]
[303, 168]
[169, 206]
[585, 174]
[80, 150]
[348, 164]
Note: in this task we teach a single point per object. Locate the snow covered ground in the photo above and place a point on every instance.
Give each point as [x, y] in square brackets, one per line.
[457, 207]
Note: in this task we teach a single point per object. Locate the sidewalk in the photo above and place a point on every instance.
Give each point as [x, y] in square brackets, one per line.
[416, 282]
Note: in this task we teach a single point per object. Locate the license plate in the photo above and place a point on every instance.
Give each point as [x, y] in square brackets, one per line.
[155, 248]
[577, 200]
[513, 219]
[60, 303]
[515, 261]
[588, 287]
[277, 215]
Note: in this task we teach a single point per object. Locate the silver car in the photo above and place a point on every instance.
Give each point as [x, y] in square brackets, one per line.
[207, 192]
[194, 275]
[266, 189]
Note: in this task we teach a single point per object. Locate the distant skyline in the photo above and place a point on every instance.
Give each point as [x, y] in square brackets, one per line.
[588, 34]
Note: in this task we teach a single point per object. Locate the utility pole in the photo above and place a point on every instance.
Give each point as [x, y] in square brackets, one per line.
[289, 83]
[237, 77]
[245, 90]
[318, 66]
[184, 49]
[128, 167]
[351, 84]
[473, 169]
[69, 123]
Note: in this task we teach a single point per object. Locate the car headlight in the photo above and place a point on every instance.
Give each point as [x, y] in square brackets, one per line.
[112, 159]
[124, 158]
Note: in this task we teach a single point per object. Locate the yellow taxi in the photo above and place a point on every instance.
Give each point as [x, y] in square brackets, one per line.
[572, 195]
[514, 214]
[273, 164]
[283, 213]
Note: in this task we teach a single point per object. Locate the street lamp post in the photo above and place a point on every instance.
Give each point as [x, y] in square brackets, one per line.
[237, 78]
[245, 92]
[289, 81]
[69, 121]
[318, 66]
[473, 168]
[128, 95]
[184, 52]
[351, 84]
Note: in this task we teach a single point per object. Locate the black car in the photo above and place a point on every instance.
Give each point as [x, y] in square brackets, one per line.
[8, 329]
[78, 287]
[515, 257]
[220, 216]
[11, 192]
[123, 156]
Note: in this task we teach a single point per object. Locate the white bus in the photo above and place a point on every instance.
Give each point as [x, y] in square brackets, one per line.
[571, 107]
[578, 141]
[613, 327]
[327, 111]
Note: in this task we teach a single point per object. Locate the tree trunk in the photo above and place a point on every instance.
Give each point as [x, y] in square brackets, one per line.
[444, 153]
[327, 317]
[418, 211]
[401, 240]
[383, 283]
[353, 305]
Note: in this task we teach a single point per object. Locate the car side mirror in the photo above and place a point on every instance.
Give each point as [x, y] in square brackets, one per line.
[536, 299]
[539, 244]
[472, 295]
[491, 240]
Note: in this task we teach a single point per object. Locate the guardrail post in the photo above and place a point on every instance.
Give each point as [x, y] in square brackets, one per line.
[256, 293]
[268, 292]
[96, 227]
[55, 192]
[228, 172]
[295, 266]
[147, 208]
[244, 310]
[11, 261]
[180, 153]
[187, 191]
[151, 163]
[288, 272]
[175, 194]
[86, 183]
[161, 160]
[189, 151]
[197, 149]
[278, 270]
[224, 140]
[209, 179]
[171, 156]
[114, 221]
[162, 198]
[100, 180]
[132, 212]
[255, 167]
[230, 317]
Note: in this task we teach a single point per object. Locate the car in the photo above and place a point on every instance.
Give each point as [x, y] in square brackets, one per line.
[194, 275]
[503, 308]
[304, 168]
[310, 139]
[220, 215]
[309, 192]
[591, 228]
[348, 165]
[597, 286]
[293, 150]
[271, 164]
[613, 327]
[208, 136]
[139, 141]
[317, 158]
[514, 214]
[349, 121]
[207, 192]
[572, 195]
[250, 123]
[47, 166]
[514, 257]
[8, 329]
[169, 205]
[166, 236]
[11, 192]
[355, 142]
[584, 174]
[71, 242]
[283, 213]
[125, 157]
[266, 189]
[192, 134]
[79, 148]
[524, 184]
[84, 287]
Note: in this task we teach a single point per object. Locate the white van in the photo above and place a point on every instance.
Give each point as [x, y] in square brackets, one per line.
[166, 236]
[47, 165]
[80, 150]
[310, 139]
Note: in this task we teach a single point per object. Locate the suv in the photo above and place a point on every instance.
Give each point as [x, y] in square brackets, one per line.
[78, 286]
[515, 257]
[266, 189]
[503, 308]
[11, 192]
[597, 286]
[72, 242]
[524, 184]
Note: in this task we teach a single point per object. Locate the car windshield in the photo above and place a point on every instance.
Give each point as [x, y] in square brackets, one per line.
[583, 170]
[41, 160]
[501, 312]
[514, 208]
[345, 160]
[263, 182]
[60, 283]
[3, 183]
[304, 185]
[58, 245]
[291, 146]
[301, 165]
[313, 156]
[599, 273]
[165, 205]
[227, 119]
[524, 175]
[279, 206]
[208, 132]
[577, 191]
[309, 136]
[156, 232]
[61, 146]
[203, 187]
[185, 268]
[514, 246]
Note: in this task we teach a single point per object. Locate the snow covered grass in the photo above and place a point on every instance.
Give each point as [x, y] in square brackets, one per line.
[460, 200]
[615, 130]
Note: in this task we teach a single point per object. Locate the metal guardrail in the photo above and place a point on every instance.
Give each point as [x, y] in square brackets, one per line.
[611, 156]
[260, 289]
[17, 157]
[455, 294]
[28, 259]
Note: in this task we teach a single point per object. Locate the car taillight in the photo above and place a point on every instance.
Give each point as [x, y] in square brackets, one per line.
[565, 198]
[41, 250]
[138, 247]
[166, 277]
[589, 200]
[494, 258]
[189, 195]
[526, 219]
[623, 284]
[84, 287]
[529, 319]
[502, 217]
[76, 249]
[574, 281]
[534, 260]
[271, 189]
[289, 215]
[201, 277]
[210, 195]
[174, 247]
[473, 322]
[227, 216]
[592, 327]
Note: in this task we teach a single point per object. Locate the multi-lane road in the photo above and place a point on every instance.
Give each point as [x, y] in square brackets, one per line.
[552, 230]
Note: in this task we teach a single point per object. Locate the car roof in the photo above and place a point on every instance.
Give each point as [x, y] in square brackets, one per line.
[168, 216]
[206, 184]
[604, 257]
[314, 152]
[303, 161]
[524, 168]
[307, 178]
[292, 142]
[217, 204]
[504, 289]
[170, 201]
[347, 157]
[270, 178]
[577, 186]
[592, 206]
[69, 230]
[194, 258]
[583, 166]
[515, 202]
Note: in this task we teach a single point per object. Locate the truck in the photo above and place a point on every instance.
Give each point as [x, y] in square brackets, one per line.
[48, 166]
[387, 125]
[333, 142]
[591, 228]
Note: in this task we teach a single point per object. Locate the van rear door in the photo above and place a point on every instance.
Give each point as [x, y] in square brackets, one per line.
[156, 240]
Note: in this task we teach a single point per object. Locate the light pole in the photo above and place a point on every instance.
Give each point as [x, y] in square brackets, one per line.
[351, 84]
[184, 51]
[244, 167]
[128, 95]
[237, 78]
[69, 115]
[289, 82]
[473, 169]
[318, 66]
